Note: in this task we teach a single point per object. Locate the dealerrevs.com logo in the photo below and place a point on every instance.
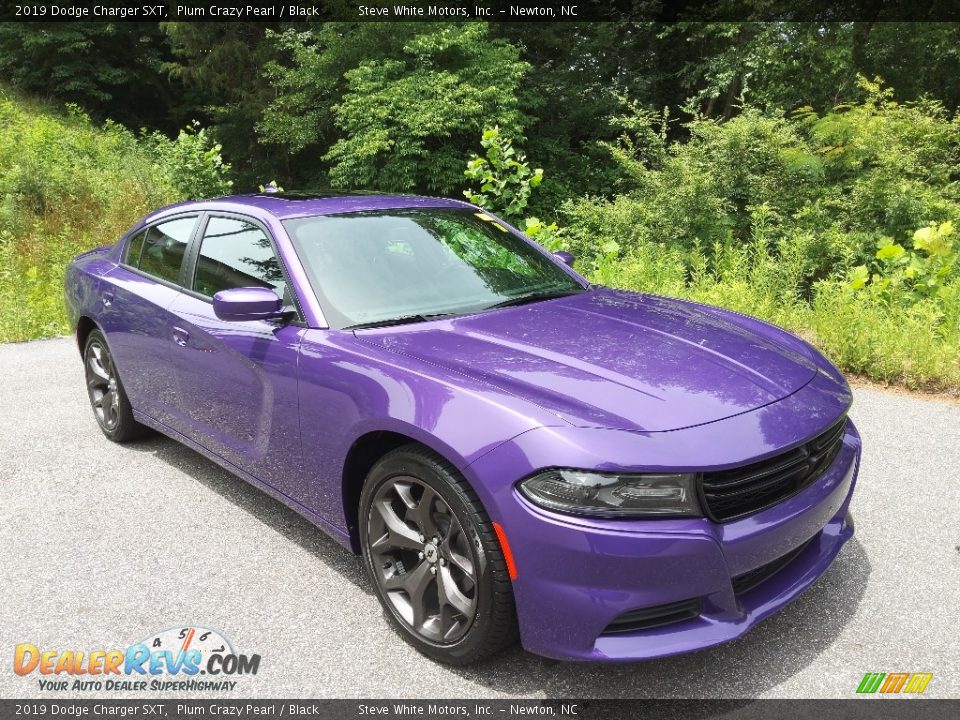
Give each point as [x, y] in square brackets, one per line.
[170, 660]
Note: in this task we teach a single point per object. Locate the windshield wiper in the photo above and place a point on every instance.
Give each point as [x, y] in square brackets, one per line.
[531, 297]
[424, 317]
[402, 320]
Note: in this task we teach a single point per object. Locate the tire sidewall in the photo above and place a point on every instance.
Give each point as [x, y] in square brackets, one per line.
[118, 430]
[409, 464]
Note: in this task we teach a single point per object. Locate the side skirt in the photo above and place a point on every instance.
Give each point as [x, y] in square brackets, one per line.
[341, 537]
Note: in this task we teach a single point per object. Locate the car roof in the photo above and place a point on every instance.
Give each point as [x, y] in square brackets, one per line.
[284, 205]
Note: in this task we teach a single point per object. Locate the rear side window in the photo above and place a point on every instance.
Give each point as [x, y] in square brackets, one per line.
[164, 247]
[131, 255]
[236, 253]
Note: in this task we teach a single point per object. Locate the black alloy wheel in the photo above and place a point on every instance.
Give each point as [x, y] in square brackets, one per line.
[427, 568]
[434, 558]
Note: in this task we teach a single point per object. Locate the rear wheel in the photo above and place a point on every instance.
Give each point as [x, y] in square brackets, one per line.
[110, 405]
[434, 558]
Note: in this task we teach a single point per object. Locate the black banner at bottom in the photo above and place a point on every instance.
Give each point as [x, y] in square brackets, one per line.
[853, 709]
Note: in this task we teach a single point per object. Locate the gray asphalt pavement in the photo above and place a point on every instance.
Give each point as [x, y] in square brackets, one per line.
[103, 545]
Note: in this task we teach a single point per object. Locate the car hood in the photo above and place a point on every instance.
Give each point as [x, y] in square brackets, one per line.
[614, 359]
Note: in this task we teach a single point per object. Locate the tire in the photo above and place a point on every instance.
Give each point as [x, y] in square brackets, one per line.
[452, 600]
[109, 402]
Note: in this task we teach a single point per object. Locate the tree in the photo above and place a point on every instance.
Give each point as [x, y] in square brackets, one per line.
[399, 117]
[221, 67]
[110, 69]
[582, 74]
[785, 65]
[307, 76]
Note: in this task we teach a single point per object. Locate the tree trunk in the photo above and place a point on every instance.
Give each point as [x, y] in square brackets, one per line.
[733, 95]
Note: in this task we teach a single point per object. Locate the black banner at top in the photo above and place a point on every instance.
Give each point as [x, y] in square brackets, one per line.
[286, 11]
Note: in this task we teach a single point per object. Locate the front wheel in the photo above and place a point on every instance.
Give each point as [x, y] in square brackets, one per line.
[110, 405]
[434, 558]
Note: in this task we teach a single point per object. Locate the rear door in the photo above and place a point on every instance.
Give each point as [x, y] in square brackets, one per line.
[239, 379]
[136, 317]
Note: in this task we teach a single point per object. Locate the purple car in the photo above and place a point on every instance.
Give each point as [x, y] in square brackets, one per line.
[609, 475]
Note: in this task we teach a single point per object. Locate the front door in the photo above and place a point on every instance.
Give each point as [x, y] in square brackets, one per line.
[238, 380]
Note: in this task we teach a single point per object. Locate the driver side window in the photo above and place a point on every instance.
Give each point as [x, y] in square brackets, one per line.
[236, 253]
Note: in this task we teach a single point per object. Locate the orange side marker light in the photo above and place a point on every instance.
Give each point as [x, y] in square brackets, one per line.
[507, 554]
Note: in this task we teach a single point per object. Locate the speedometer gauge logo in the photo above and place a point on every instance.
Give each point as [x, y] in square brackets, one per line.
[183, 639]
[209, 651]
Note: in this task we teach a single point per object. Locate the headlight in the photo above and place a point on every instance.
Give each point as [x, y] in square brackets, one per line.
[614, 495]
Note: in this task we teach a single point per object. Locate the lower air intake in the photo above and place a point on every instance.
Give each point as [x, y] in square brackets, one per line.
[656, 616]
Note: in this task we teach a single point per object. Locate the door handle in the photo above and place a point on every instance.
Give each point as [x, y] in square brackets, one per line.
[180, 336]
[106, 298]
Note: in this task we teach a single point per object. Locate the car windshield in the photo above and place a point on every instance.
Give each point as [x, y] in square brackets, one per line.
[382, 268]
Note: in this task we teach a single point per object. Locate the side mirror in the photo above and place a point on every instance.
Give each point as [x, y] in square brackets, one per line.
[565, 257]
[248, 303]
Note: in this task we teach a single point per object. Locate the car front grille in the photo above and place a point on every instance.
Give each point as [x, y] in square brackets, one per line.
[749, 580]
[730, 494]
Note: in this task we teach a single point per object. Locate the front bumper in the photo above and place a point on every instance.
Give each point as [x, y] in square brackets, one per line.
[576, 576]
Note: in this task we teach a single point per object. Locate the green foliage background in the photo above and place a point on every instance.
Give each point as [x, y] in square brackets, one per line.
[760, 166]
[68, 185]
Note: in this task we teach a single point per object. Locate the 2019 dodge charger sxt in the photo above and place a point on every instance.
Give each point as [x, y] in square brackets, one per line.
[616, 476]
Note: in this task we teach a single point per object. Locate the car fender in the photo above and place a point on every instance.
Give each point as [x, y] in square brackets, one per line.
[350, 389]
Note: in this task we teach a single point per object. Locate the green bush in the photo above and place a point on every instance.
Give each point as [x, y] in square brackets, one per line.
[191, 163]
[503, 175]
[67, 186]
[839, 227]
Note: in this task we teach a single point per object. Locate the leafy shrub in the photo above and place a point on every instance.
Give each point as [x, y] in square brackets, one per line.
[506, 182]
[504, 175]
[888, 168]
[906, 276]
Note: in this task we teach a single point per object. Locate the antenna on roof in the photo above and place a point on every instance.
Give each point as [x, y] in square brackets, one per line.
[271, 187]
